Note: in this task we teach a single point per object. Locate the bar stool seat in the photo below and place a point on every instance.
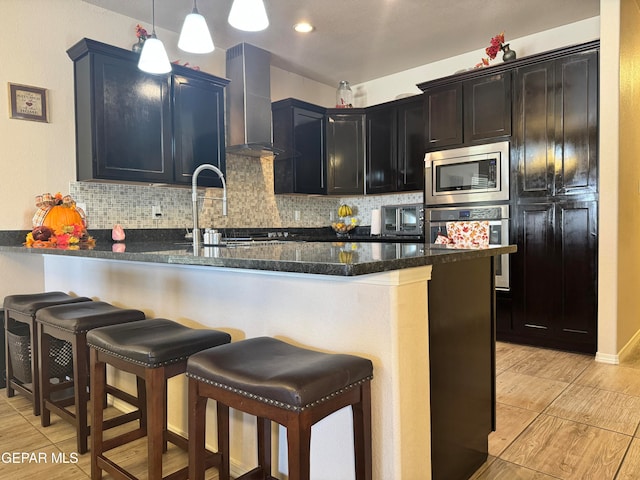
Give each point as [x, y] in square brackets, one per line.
[155, 350]
[22, 309]
[276, 381]
[71, 323]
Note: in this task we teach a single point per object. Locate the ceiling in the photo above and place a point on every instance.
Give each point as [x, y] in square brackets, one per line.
[359, 40]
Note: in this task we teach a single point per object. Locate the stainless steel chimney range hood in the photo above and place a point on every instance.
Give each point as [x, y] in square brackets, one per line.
[248, 99]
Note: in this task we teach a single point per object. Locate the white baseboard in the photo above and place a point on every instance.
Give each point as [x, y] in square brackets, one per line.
[607, 358]
[622, 354]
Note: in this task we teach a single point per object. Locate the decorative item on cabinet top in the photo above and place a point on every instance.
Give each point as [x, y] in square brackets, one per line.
[141, 34]
[496, 45]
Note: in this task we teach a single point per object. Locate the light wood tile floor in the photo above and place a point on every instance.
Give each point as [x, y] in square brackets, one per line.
[51, 451]
[560, 416]
[563, 416]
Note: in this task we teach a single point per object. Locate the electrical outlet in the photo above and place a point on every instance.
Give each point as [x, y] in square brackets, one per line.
[296, 215]
[156, 212]
[332, 215]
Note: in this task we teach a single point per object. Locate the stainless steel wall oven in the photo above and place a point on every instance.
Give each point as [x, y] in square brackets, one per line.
[496, 215]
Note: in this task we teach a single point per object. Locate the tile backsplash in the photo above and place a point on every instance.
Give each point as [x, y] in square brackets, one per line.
[251, 202]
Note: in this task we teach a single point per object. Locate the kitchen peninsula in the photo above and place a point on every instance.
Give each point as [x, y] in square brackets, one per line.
[423, 314]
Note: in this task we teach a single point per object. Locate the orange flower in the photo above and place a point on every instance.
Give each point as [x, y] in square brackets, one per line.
[495, 45]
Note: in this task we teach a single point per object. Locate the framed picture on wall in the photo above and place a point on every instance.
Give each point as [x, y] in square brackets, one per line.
[28, 103]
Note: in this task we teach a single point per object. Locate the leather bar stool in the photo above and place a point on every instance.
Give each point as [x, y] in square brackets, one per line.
[22, 309]
[154, 350]
[71, 323]
[279, 382]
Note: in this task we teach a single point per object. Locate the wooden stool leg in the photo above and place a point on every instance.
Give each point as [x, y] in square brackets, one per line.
[80, 377]
[197, 419]
[35, 370]
[141, 388]
[264, 445]
[362, 433]
[224, 447]
[44, 345]
[98, 386]
[156, 406]
[299, 448]
[7, 357]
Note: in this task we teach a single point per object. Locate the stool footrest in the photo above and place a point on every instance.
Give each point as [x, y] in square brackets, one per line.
[114, 442]
[121, 420]
[122, 395]
[60, 411]
[255, 474]
[114, 469]
[21, 388]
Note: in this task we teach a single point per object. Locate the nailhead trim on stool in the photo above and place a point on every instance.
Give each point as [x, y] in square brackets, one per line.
[155, 350]
[22, 308]
[71, 324]
[279, 382]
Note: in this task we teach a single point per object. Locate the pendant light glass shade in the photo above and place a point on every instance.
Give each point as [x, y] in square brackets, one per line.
[248, 15]
[195, 36]
[153, 58]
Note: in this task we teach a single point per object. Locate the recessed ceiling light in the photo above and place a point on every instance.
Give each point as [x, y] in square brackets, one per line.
[303, 27]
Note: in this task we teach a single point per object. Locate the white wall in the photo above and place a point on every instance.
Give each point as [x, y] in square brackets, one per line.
[388, 88]
[34, 36]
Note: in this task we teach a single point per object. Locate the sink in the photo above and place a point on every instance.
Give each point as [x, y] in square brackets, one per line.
[238, 242]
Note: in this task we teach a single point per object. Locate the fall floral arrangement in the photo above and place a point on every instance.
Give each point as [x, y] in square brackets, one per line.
[141, 33]
[495, 46]
[58, 223]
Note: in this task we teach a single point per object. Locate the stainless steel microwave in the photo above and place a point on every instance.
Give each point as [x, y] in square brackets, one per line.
[478, 173]
[402, 220]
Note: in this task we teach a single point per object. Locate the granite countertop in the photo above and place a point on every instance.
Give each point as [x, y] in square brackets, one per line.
[343, 258]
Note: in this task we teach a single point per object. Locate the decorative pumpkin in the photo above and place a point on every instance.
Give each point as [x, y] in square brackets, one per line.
[42, 233]
[60, 216]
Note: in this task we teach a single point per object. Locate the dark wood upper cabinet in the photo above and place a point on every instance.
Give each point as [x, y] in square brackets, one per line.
[382, 153]
[198, 129]
[299, 130]
[556, 127]
[532, 149]
[443, 120]
[133, 126]
[576, 127]
[324, 149]
[487, 107]
[120, 134]
[411, 145]
[395, 146]
[345, 151]
[463, 112]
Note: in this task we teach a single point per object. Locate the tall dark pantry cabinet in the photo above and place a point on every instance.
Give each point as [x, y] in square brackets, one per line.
[554, 157]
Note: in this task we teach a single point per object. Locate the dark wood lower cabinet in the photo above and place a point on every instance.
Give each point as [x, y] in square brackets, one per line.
[553, 277]
[462, 366]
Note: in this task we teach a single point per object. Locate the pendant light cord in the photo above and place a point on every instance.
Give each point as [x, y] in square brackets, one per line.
[153, 17]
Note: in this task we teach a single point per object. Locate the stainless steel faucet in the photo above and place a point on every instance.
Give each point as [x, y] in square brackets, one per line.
[194, 200]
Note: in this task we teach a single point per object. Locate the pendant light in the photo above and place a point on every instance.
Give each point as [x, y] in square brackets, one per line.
[153, 58]
[248, 15]
[195, 36]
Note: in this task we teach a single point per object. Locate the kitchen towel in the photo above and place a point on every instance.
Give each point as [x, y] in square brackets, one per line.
[376, 222]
